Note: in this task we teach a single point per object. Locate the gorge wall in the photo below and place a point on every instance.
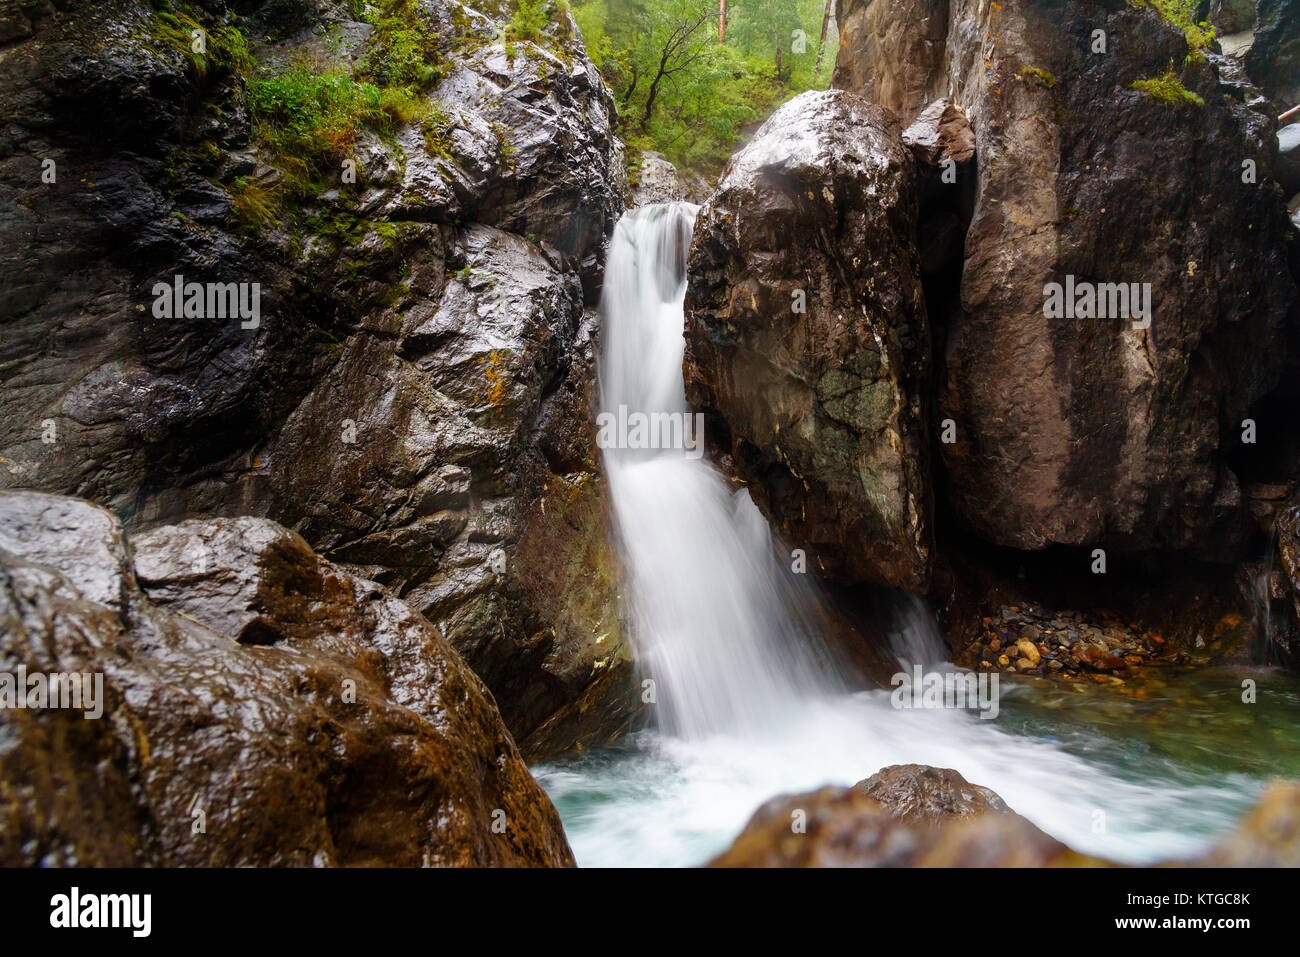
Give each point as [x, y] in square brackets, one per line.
[1084, 145]
[426, 232]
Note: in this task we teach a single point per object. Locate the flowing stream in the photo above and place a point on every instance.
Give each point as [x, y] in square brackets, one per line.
[747, 704]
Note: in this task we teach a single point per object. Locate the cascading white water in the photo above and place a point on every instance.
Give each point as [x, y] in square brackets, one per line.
[746, 707]
[714, 615]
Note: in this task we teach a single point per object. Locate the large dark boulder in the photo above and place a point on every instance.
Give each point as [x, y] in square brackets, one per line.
[260, 707]
[806, 333]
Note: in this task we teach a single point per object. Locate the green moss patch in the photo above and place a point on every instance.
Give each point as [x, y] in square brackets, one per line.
[1168, 88]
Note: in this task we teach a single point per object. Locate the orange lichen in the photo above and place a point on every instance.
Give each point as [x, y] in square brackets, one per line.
[493, 375]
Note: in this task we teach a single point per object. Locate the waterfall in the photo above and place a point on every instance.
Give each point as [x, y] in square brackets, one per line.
[721, 625]
[747, 706]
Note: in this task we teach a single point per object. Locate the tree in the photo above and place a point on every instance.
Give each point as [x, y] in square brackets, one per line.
[770, 24]
[677, 42]
[827, 15]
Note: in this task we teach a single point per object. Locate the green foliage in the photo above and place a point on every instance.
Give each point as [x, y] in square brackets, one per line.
[529, 21]
[1169, 88]
[403, 50]
[707, 94]
[223, 46]
[437, 128]
[506, 151]
[309, 119]
[254, 207]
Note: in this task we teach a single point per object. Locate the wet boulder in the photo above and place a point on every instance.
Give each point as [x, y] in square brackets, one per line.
[349, 733]
[540, 121]
[903, 816]
[919, 816]
[806, 335]
[1269, 834]
[941, 132]
[918, 793]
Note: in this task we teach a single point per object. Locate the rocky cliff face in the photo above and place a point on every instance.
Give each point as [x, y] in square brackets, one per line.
[412, 396]
[258, 706]
[1077, 427]
[806, 333]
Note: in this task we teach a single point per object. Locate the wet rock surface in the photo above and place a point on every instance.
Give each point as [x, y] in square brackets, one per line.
[892, 51]
[415, 395]
[903, 816]
[659, 181]
[535, 121]
[1268, 836]
[1273, 59]
[1284, 591]
[940, 132]
[348, 733]
[920, 794]
[1288, 158]
[1232, 16]
[918, 816]
[1087, 430]
[806, 335]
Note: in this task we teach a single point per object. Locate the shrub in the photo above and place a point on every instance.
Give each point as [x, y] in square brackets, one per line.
[529, 21]
[403, 50]
[310, 119]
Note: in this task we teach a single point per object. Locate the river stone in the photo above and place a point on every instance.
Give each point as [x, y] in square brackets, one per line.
[918, 816]
[359, 737]
[825, 408]
[904, 816]
[920, 794]
[1269, 834]
[1028, 650]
